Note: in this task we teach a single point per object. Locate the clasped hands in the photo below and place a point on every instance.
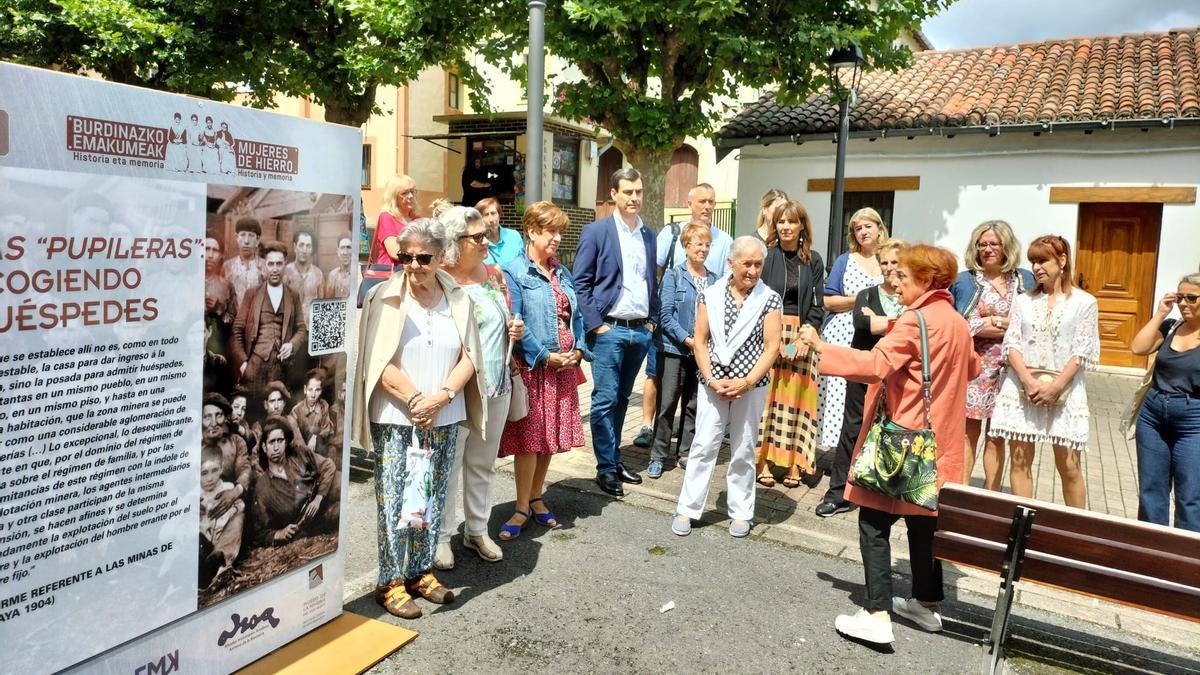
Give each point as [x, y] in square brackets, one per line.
[424, 409]
[729, 389]
[1041, 392]
[560, 360]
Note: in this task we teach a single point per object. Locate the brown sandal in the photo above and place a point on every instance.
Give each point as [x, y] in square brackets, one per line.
[791, 481]
[395, 599]
[765, 479]
[431, 589]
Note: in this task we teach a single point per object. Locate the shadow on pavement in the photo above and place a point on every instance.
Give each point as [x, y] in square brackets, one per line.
[1033, 645]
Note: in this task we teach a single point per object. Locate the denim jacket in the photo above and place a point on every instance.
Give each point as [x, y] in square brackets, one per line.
[966, 292]
[677, 316]
[535, 303]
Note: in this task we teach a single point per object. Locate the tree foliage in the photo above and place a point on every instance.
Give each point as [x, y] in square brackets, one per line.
[653, 73]
[335, 52]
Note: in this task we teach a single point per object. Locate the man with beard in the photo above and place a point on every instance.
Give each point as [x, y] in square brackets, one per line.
[270, 331]
[301, 275]
[245, 271]
[337, 280]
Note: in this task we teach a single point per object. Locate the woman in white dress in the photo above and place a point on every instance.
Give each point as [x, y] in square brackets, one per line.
[194, 143]
[1053, 336]
[853, 271]
[225, 156]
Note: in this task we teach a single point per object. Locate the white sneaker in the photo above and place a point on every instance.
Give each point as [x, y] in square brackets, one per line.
[866, 627]
[444, 558]
[681, 525]
[914, 611]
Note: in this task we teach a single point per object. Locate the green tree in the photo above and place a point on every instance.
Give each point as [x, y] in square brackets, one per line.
[193, 48]
[652, 73]
[335, 52]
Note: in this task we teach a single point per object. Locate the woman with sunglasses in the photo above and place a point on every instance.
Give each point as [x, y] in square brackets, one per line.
[1168, 425]
[543, 294]
[498, 330]
[1053, 335]
[419, 377]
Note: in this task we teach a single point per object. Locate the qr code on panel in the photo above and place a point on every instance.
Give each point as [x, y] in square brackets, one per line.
[327, 334]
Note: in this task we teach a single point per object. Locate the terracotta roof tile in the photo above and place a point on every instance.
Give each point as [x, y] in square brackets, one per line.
[1136, 76]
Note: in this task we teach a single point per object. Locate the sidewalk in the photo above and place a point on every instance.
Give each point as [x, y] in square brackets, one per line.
[786, 515]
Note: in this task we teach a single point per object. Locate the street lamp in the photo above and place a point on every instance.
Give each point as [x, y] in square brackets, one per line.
[845, 71]
[536, 69]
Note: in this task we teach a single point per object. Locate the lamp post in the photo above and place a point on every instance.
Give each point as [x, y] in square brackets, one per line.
[845, 69]
[536, 69]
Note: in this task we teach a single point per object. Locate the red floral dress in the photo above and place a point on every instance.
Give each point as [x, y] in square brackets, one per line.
[553, 424]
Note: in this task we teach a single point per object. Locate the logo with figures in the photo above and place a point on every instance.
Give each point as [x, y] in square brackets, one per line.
[194, 146]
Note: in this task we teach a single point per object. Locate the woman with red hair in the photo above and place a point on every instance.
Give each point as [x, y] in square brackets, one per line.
[1053, 335]
[893, 371]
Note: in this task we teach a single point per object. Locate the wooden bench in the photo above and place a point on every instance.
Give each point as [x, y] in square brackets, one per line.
[1134, 563]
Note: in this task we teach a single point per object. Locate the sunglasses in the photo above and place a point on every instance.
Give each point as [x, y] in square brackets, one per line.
[423, 259]
[478, 237]
[1190, 298]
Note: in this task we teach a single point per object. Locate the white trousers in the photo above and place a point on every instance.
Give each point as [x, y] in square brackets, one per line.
[712, 414]
[475, 461]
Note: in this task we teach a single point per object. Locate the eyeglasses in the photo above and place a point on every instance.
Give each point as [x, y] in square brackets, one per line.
[478, 237]
[423, 259]
[408, 193]
[988, 244]
[1189, 298]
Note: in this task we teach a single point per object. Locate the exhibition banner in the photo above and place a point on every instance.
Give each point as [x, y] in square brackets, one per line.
[174, 276]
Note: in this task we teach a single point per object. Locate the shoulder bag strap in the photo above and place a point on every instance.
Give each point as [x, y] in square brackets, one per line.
[674, 238]
[926, 379]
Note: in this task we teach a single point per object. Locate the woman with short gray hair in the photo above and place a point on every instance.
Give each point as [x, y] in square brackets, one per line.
[498, 330]
[738, 324]
[419, 377]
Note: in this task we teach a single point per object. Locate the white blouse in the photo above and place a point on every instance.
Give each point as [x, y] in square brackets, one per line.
[429, 349]
[1049, 338]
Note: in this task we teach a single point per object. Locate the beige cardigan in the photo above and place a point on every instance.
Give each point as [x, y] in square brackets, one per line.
[380, 324]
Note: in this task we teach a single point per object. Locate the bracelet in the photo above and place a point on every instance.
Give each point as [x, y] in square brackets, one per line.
[412, 398]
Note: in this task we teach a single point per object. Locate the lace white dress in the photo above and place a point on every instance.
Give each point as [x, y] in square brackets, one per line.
[1048, 338]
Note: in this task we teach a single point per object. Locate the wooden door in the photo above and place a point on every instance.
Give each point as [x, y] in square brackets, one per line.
[610, 162]
[1116, 262]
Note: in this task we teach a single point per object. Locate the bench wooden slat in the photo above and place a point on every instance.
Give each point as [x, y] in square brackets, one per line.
[1088, 523]
[1137, 564]
[1069, 544]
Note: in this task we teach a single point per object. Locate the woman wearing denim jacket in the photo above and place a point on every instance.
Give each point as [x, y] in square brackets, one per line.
[679, 293]
[984, 294]
[543, 295]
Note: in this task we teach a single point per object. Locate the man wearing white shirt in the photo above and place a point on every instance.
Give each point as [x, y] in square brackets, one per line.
[269, 333]
[618, 297]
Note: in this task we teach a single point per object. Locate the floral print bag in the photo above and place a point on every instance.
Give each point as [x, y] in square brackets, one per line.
[417, 491]
[897, 461]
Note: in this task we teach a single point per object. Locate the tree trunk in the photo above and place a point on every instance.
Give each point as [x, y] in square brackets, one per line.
[354, 110]
[653, 164]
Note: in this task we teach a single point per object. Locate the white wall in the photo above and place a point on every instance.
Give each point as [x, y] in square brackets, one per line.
[969, 179]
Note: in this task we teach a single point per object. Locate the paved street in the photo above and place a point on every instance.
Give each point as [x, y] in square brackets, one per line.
[587, 598]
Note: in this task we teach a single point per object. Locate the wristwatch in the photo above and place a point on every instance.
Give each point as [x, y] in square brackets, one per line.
[449, 393]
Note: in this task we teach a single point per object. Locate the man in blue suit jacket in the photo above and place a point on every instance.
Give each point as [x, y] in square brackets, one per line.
[618, 296]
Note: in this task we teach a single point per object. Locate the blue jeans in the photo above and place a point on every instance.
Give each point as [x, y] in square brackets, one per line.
[1168, 451]
[616, 358]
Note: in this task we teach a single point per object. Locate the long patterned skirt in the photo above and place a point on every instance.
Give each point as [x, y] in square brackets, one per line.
[788, 430]
[407, 552]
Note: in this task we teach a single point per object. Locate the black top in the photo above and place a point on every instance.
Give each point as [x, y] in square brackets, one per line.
[1176, 373]
[800, 284]
[748, 352]
[863, 338]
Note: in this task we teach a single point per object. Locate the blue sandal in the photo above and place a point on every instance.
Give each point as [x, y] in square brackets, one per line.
[546, 519]
[509, 532]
